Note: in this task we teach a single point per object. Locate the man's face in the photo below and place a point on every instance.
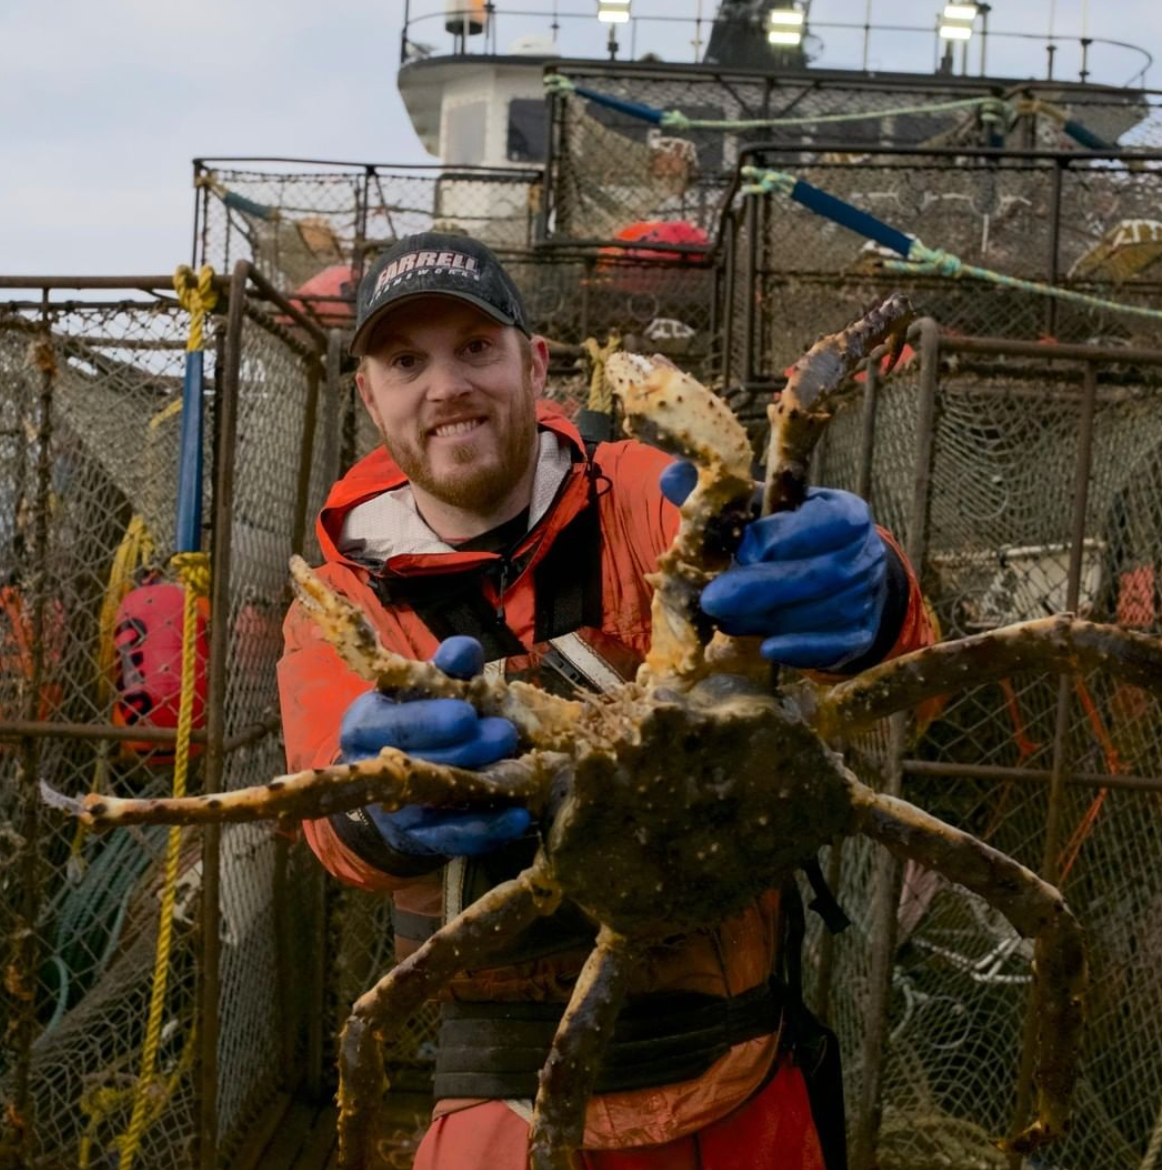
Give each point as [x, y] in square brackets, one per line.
[453, 393]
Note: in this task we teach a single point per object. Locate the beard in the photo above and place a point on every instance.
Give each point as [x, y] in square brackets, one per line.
[478, 481]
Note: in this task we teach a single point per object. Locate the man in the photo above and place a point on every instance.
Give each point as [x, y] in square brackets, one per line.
[487, 530]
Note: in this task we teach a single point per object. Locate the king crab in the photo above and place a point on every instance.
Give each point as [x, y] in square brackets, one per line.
[675, 800]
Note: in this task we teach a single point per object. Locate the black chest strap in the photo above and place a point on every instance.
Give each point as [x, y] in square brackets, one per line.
[566, 584]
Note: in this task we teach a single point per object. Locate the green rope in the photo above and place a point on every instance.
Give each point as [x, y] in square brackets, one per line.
[558, 83]
[992, 109]
[766, 181]
[925, 261]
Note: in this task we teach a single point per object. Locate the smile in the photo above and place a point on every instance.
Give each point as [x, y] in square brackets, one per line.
[454, 429]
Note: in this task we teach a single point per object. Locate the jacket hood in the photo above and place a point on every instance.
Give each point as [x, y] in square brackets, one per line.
[378, 472]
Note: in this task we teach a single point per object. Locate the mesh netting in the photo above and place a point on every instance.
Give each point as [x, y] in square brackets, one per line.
[811, 275]
[1005, 465]
[102, 423]
[309, 232]
[89, 467]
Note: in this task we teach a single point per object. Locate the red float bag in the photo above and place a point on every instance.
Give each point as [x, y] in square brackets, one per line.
[148, 641]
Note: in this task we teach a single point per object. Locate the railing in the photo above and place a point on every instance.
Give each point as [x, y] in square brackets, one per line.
[441, 31]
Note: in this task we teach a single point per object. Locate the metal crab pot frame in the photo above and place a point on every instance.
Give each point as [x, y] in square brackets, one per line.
[1092, 382]
[102, 370]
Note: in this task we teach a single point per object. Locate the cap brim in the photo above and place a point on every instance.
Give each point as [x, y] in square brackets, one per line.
[363, 333]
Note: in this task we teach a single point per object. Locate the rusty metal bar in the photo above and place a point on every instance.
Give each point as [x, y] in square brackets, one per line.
[306, 457]
[332, 406]
[888, 871]
[47, 728]
[1049, 353]
[1054, 257]
[1059, 763]
[750, 224]
[544, 212]
[285, 983]
[826, 968]
[730, 233]
[199, 212]
[144, 283]
[214, 771]
[867, 444]
[270, 293]
[362, 208]
[24, 944]
[994, 772]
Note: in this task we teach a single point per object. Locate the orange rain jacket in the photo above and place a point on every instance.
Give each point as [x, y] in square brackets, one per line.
[637, 523]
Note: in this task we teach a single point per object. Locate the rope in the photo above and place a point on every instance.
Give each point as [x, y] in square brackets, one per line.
[198, 296]
[676, 120]
[193, 570]
[925, 261]
[991, 108]
[600, 394]
[920, 259]
[98, 1103]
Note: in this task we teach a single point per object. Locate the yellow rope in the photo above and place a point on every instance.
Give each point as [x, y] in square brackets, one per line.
[198, 296]
[193, 569]
[600, 395]
[100, 1102]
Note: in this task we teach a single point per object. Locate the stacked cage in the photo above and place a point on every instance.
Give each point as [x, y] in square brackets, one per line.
[90, 419]
[1038, 502]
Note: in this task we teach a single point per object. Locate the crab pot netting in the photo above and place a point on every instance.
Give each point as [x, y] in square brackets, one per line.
[295, 225]
[112, 436]
[268, 901]
[111, 443]
[609, 169]
[812, 274]
[1000, 515]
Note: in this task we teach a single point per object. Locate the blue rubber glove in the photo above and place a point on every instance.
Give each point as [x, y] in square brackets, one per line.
[812, 582]
[445, 731]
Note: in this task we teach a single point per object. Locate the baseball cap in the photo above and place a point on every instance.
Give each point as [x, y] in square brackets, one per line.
[436, 264]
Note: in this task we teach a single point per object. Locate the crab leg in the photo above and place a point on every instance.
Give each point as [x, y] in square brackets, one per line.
[486, 926]
[1061, 643]
[1035, 909]
[391, 779]
[802, 411]
[571, 1069]
[670, 410]
[543, 719]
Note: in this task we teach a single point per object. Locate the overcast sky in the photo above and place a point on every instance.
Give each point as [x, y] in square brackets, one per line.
[103, 103]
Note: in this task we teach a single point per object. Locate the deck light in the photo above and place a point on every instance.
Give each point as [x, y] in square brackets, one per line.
[613, 11]
[956, 21]
[784, 26]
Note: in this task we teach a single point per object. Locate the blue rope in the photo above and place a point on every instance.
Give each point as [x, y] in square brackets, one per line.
[829, 206]
[919, 259]
[996, 108]
[249, 207]
[557, 83]
[1085, 137]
